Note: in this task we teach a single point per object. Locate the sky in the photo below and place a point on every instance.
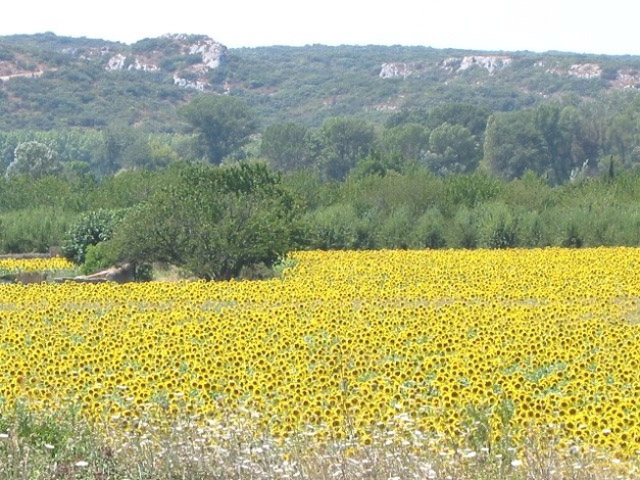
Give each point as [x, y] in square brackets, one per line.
[583, 26]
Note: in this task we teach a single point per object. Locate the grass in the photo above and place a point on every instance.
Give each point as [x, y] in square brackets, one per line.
[62, 446]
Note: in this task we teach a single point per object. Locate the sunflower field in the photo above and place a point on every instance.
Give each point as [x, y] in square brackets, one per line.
[472, 347]
[16, 265]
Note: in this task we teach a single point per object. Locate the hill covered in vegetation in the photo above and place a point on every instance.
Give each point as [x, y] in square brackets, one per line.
[52, 82]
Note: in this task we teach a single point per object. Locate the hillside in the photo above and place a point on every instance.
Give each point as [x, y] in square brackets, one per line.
[51, 82]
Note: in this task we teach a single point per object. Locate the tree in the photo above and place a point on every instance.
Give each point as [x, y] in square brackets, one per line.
[622, 138]
[115, 141]
[213, 222]
[417, 116]
[560, 128]
[408, 141]
[288, 146]
[513, 144]
[223, 124]
[472, 117]
[345, 140]
[34, 159]
[579, 148]
[452, 149]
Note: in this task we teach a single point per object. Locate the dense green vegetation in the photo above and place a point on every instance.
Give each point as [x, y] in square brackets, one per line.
[217, 222]
[310, 148]
[305, 85]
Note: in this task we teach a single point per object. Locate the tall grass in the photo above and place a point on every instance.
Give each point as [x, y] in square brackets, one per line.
[62, 446]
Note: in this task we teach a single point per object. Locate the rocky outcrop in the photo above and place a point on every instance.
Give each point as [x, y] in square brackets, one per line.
[145, 67]
[186, 83]
[451, 64]
[116, 62]
[395, 70]
[585, 70]
[212, 52]
[623, 78]
[580, 70]
[189, 73]
[627, 78]
[491, 63]
[121, 62]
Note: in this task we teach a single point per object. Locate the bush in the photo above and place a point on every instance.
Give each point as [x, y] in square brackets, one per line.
[97, 257]
[214, 222]
[428, 231]
[33, 229]
[534, 230]
[395, 229]
[571, 235]
[463, 231]
[499, 226]
[334, 227]
[91, 229]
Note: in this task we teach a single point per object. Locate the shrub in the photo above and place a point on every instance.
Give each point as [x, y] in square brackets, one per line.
[463, 231]
[97, 257]
[91, 229]
[33, 229]
[429, 230]
[499, 226]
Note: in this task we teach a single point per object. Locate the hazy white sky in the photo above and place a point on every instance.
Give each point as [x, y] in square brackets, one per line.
[568, 25]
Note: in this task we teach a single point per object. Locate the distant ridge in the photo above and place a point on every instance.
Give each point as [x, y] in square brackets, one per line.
[52, 82]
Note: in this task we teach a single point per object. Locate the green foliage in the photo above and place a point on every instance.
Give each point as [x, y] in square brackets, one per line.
[98, 153]
[409, 141]
[571, 235]
[335, 227]
[91, 228]
[97, 257]
[376, 164]
[212, 221]
[499, 226]
[463, 230]
[344, 141]
[470, 190]
[34, 159]
[472, 117]
[395, 229]
[223, 124]
[429, 231]
[33, 229]
[535, 230]
[288, 146]
[99, 121]
[452, 149]
[513, 145]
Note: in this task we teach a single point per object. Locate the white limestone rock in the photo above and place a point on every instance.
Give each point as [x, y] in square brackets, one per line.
[116, 62]
[194, 84]
[395, 70]
[491, 63]
[585, 70]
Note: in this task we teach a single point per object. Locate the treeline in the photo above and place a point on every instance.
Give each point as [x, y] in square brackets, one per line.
[224, 199]
[559, 141]
[224, 222]
[99, 153]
